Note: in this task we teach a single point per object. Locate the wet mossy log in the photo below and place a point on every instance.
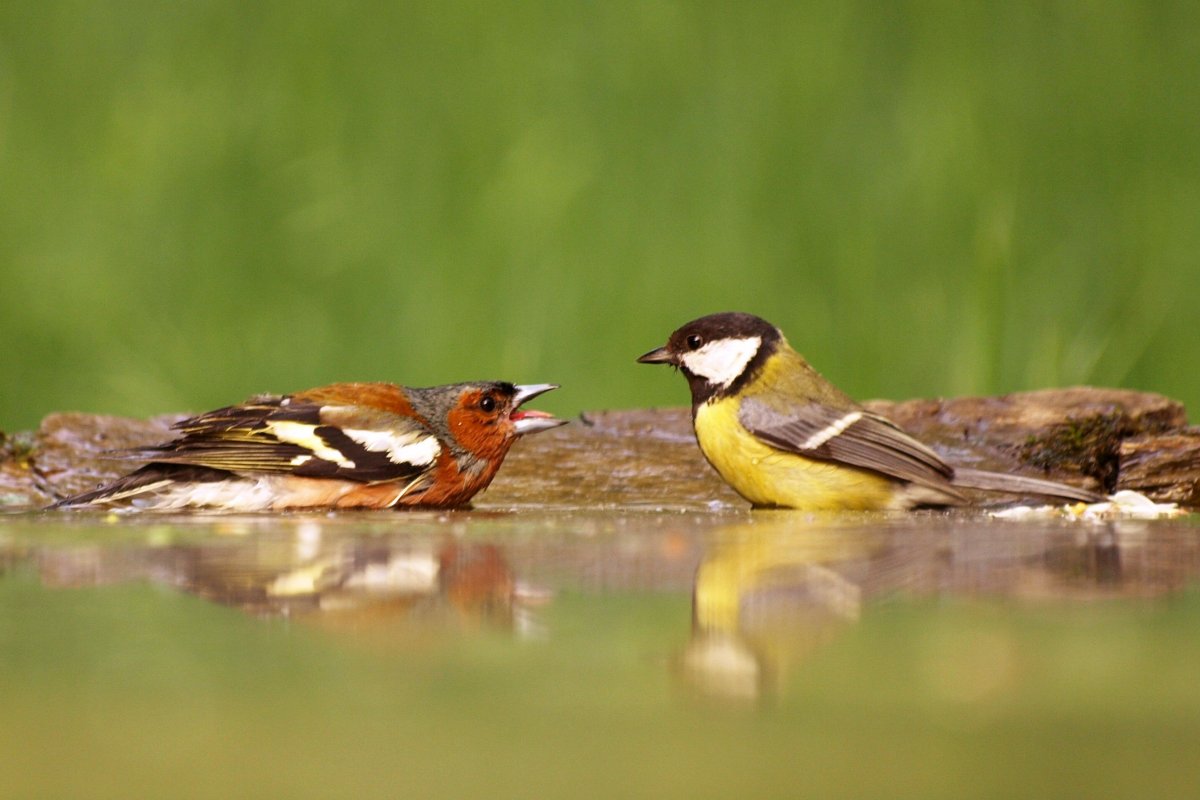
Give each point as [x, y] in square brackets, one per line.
[1104, 439]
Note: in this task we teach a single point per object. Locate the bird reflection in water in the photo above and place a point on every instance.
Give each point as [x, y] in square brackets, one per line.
[358, 583]
[766, 595]
[771, 592]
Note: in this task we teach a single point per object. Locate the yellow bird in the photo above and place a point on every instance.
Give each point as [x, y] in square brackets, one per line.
[783, 436]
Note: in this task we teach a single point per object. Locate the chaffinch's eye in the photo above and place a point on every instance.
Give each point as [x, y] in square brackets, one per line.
[694, 341]
[488, 403]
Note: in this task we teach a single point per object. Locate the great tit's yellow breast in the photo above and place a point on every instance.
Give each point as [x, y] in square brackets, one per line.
[767, 476]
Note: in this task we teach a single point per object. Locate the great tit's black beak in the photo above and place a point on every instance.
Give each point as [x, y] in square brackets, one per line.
[659, 355]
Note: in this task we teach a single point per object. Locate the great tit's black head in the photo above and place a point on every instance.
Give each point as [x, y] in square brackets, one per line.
[719, 353]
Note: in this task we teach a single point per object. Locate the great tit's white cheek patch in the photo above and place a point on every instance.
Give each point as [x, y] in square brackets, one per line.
[721, 361]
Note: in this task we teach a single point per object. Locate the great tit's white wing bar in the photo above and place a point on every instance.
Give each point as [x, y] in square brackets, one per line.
[851, 436]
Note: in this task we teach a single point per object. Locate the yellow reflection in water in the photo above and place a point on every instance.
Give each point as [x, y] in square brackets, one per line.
[766, 595]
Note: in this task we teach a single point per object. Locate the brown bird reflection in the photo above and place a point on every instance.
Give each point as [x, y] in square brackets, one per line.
[334, 581]
[769, 591]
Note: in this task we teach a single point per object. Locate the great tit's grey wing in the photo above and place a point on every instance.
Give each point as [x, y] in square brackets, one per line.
[308, 439]
[851, 436]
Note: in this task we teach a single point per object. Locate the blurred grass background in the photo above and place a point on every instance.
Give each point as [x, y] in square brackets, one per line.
[203, 200]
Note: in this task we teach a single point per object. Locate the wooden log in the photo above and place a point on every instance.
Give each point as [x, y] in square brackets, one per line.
[1074, 434]
[1105, 439]
[1165, 466]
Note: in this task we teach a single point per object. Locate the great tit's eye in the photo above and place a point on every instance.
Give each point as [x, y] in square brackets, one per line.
[488, 403]
[694, 341]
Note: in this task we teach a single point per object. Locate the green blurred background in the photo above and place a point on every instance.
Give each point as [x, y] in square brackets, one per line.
[203, 200]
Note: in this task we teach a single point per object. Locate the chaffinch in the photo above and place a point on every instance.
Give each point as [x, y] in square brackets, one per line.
[346, 445]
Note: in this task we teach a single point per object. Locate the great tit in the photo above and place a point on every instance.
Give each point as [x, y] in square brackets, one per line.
[783, 436]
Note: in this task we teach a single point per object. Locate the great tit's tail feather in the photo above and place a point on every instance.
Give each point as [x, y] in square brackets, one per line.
[1020, 484]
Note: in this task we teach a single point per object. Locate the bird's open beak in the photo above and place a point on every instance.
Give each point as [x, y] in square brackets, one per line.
[659, 355]
[532, 421]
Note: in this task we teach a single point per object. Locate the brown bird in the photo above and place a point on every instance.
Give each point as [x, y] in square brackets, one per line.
[346, 445]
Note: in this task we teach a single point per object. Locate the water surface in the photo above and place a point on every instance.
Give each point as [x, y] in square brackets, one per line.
[566, 653]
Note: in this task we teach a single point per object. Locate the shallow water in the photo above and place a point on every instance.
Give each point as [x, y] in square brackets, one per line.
[568, 653]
